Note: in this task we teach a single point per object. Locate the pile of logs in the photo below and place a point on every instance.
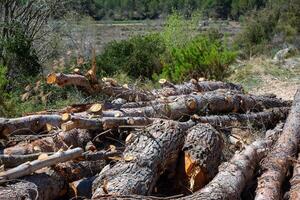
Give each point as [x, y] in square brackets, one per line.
[197, 140]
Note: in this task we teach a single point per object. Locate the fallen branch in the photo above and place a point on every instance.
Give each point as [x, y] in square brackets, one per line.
[28, 168]
[10, 161]
[276, 164]
[62, 140]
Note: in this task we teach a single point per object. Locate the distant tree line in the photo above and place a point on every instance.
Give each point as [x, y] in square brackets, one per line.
[153, 9]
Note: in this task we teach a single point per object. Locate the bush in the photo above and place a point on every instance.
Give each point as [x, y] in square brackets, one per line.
[268, 28]
[204, 56]
[138, 56]
[3, 82]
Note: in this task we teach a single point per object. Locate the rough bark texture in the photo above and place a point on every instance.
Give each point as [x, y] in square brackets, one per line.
[30, 124]
[276, 164]
[146, 157]
[202, 155]
[50, 184]
[131, 94]
[266, 118]
[104, 123]
[209, 103]
[63, 140]
[294, 192]
[44, 186]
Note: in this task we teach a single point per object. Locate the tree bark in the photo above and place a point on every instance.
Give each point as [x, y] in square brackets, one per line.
[229, 183]
[49, 183]
[30, 124]
[294, 192]
[145, 158]
[131, 94]
[268, 118]
[63, 140]
[276, 164]
[202, 155]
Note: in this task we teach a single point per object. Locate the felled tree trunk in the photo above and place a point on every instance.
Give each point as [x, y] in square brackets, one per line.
[229, 183]
[63, 80]
[30, 124]
[208, 103]
[294, 192]
[233, 175]
[50, 183]
[276, 164]
[146, 157]
[111, 88]
[202, 155]
[63, 140]
[104, 123]
[266, 118]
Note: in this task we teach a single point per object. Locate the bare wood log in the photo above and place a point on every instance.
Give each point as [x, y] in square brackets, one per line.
[276, 164]
[294, 193]
[146, 157]
[202, 155]
[29, 124]
[28, 168]
[63, 140]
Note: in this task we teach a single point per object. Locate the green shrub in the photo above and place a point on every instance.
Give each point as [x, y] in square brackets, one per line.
[202, 57]
[279, 19]
[3, 82]
[138, 56]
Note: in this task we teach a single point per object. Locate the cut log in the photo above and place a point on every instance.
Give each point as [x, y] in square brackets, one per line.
[104, 123]
[131, 94]
[294, 192]
[268, 118]
[276, 164]
[63, 80]
[28, 168]
[44, 186]
[145, 158]
[30, 124]
[62, 140]
[49, 184]
[202, 155]
[228, 183]
[82, 188]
